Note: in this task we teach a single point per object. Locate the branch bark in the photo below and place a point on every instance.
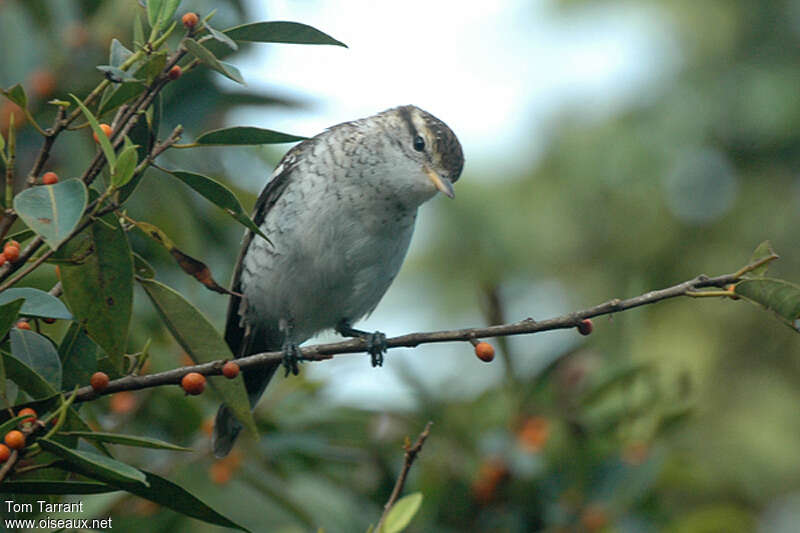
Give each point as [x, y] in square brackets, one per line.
[321, 352]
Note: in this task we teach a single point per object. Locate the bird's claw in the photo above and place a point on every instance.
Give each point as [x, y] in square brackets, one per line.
[376, 347]
[291, 356]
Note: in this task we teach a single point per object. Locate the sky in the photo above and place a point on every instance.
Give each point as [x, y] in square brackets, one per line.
[497, 73]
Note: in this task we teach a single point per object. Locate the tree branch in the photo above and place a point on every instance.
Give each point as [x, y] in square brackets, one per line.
[411, 455]
[321, 352]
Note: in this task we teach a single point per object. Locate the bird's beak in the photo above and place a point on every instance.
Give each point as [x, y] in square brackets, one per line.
[443, 184]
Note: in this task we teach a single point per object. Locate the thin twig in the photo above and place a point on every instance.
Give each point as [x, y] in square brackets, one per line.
[321, 352]
[411, 455]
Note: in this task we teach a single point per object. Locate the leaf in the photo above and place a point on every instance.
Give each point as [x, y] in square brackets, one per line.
[52, 211]
[78, 354]
[401, 513]
[17, 95]
[128, 440]
[37, 352]
[54, 487]
[123, 93]
[8, 314]
[246, 135]
[138, 31]
[116, 75]
[99, 290]
[126, 165]
[221, 37]
[168, 494]
[777, 295]
[154, 8]
[94, 465]
[202, 342]
[27, 379]
[220, 196]
[205, 56]
[762, 251]
[105, 142]
[118, 54]
[281, 32]
[37, 303]
[195, 268]
[142, 268]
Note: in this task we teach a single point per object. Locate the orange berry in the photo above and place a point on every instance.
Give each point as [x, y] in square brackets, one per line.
[15, 439]
[28, 413]
[5, 453]
[193, 383]
[190, 20]
[220, 473]
[491, 474]
[230, 370]
[106, 129]
[43, 83]
[49, 320]
[174, 73]
[594, 518]
[586, 326]
[11, 250]
[3, 259]
[533, 434]
[484, 351]
[22, 324]
[99, 381]
[123, 402]
[50, 178]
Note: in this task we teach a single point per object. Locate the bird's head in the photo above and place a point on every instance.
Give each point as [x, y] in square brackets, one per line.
[430, 156]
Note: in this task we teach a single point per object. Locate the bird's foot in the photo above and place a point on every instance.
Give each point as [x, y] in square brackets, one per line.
[376, 341]
[291, 356]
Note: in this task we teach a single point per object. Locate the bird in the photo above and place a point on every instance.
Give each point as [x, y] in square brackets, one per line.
[339, 212]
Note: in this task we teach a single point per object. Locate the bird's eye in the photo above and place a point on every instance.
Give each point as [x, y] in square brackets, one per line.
[419, 143]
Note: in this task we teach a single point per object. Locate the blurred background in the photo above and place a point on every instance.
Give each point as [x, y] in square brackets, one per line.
[612, 148]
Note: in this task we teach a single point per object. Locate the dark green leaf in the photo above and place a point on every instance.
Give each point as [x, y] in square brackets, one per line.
[128, 440]
[8, 315]
[94, 465]
[78, 354]
[218, 194]
[281, 32]
[22, 235]
[401, 513]
[121, 94]
[105, 142]
[777, 295]
[37, 303]
[27, 379]
[202, 342]
[10, 424]
[52, 211]
[119, 54]
[17, 95]
[99, 290]
[205, 56]
[142, 268]
[38, 353]
[245, 135]
[221, 37]
[54, 487]
[126, 164]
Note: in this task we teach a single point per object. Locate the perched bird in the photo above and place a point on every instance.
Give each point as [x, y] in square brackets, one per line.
[339, 212]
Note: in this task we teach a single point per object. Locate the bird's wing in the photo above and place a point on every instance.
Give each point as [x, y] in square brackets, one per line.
[237, 334]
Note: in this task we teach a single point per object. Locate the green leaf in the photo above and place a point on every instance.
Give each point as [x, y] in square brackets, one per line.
[138, 31]
[52, 211]
[281, 32]
[245, 135]
[115, 74]
[95, 466]
[125, 92]
[205, 56]
[54, 487]
[762, 250]
[10, 424]
[118, 54]
[78, 354]
[177, 498]
[37, 303]
[27, 379]
[401, 513]
[2, 142]
[17, 95]
[219, 195]
[126, 164]
[105, 142]
[168, 8]
[221, 37]
[154, 8]
[8, 315]
[777, 295]
[202, 342]
[128, 440]
[38, 353]
[99, 290]
[142, 268]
